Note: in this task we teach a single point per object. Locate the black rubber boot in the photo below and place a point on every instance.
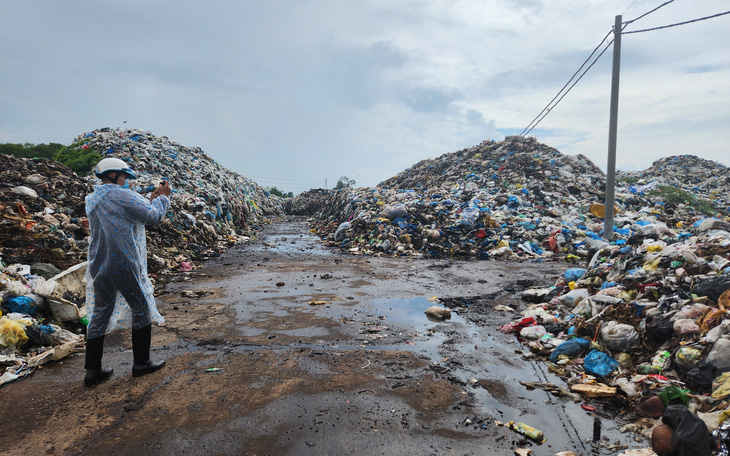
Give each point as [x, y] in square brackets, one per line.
[94, 372]
[141, 340]
[96, 376]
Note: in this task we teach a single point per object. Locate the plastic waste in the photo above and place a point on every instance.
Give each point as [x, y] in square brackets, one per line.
[12, 332]
[574, 274]
[712, 318]
[339, 234]
[686, 357]
[721, 387]
[659, 362]
[713, 287]
[528, 431]
[673, 393]
[691, 436]
[619, 336]
[627, 386]
[438, 312]
[599, 363]
[533, 332]
[571, 348]
[719, 356]
[573, 297]
[21, 304]
[718, 331]
[686, 326]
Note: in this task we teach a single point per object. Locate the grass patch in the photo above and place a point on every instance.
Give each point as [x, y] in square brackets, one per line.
[670, 194]
[627, 179]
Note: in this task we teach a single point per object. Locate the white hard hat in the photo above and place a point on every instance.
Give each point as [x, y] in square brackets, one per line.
[114, 164]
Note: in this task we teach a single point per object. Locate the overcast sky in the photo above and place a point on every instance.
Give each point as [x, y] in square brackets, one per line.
[293, 92]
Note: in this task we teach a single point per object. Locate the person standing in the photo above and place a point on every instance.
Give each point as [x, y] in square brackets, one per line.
[119, 293]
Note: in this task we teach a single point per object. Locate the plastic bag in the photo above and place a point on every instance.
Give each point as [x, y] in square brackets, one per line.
[574, 274]
[661, 360]
[711, 319]
[533, 332]
[671, 393]
[686, 357]
[339, 236]
[691, 436]
[718, 331]
[11, 332]
[599, 363]
[471, 214]
[691, 312]
[713, 287]
[571, 348]
[660, 330]
[15, 288]
[573, 297]
[516, 326]
[721, 387]
[686, 326]
[719, 356]
[21, 304]
[393, 212]
[702, 374]
[619, 337]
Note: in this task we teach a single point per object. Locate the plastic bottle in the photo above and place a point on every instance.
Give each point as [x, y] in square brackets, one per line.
[527, 431]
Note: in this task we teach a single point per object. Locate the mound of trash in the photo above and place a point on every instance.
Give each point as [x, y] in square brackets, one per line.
[647, 324]
[211, 207]
[516, 199]
[692, 174]
[42, 218]
[309, 202]
[44, 234]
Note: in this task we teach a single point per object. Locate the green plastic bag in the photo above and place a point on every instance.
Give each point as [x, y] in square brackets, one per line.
[671, 393]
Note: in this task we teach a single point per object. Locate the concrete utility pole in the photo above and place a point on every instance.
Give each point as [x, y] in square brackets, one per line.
[612, 130]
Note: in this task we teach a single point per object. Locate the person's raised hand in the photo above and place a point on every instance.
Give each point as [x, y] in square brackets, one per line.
[164, 188]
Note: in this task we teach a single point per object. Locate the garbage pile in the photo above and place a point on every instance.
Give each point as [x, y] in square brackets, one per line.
[212, 207]
[309, 202]
[44, 234]
[646, 321]
[685, 172]
[516, 199]
[42, 218]
[38, 322]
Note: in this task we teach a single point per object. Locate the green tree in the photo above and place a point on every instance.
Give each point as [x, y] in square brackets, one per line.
[80, 160]
[279, 193]
[344, 182]
[29, 150]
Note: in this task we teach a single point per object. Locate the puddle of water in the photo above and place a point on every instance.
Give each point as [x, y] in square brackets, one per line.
[289, 244]
[491, 358]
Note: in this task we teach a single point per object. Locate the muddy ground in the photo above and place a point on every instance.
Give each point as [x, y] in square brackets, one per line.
[254, 369]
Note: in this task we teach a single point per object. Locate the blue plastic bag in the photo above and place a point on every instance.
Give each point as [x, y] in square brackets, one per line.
[21, 304]
[574, 274]
[572, 348]
[599, 363]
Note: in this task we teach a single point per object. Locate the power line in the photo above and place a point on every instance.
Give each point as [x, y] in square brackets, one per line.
[647, 13]
[679, 23]
[548, 108]
[632, 4]
[571, 87]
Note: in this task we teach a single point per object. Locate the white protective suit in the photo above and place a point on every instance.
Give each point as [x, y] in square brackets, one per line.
[119, 293]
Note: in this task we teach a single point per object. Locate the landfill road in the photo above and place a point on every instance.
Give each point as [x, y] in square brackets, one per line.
[281, 346]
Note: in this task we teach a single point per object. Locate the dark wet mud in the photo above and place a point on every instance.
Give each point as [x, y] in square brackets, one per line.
[282, 346]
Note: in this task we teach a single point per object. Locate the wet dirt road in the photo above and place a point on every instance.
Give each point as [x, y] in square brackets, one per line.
[253, 368]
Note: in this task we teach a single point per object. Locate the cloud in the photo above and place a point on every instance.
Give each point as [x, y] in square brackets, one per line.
[293, 92]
